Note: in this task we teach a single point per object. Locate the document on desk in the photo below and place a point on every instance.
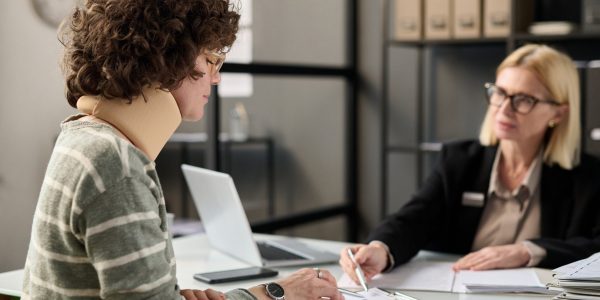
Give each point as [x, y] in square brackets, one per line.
[371, 294]
[586, 269]
[438, 276]
[415, 275]
[521, 280]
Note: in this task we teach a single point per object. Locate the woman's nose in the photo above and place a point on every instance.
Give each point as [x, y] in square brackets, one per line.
[215, 79]
[506, 107]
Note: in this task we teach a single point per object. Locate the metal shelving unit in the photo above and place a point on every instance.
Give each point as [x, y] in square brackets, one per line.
[580, 45]
[349, 74]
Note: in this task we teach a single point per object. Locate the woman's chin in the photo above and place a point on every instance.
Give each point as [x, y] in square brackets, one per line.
[194, 117]
[503, 135]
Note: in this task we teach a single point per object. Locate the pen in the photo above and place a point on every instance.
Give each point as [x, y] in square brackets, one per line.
[358, 271]
[349, 292]
[404, 296]
[398, 294]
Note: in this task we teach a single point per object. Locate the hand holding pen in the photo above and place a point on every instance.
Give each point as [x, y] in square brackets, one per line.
[371, 259]
[358, 271]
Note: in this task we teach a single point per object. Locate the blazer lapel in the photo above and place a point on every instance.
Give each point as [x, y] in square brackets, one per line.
[482, 181]
[479, 181]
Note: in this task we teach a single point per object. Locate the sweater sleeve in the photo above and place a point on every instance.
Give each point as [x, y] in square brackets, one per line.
[127, 243]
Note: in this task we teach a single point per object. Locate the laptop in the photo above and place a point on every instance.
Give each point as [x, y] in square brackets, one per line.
[228, 230]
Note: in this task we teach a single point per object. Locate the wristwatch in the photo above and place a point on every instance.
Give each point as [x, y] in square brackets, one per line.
[274, 290]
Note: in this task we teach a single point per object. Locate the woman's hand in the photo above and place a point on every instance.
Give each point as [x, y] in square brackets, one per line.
[495, 257]
[208, 294]
[305, 284]
[372, 259]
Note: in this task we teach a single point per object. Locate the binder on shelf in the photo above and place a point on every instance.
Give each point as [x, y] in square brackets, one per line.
[467, 19]
[408, 20]
[496, 18]
[438, 19]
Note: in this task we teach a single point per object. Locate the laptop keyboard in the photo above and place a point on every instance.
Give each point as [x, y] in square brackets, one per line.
[270, 252]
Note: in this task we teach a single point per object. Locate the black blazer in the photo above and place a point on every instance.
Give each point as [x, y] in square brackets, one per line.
[435, 218]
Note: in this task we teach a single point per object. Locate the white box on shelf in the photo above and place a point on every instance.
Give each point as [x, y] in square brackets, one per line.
[438, 19]
[497, 18]
[467, 19]
[408, 20]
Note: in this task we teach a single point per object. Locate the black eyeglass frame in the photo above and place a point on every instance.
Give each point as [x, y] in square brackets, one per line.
[491, 89]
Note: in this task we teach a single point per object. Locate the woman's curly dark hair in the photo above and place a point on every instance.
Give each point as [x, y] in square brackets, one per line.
[114, 48]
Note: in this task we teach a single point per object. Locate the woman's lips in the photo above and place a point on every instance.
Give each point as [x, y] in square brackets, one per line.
[505, 125]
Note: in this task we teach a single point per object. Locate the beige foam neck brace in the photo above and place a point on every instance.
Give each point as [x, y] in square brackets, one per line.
[148, 122]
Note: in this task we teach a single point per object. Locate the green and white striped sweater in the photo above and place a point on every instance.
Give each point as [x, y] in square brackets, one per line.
[100, 226]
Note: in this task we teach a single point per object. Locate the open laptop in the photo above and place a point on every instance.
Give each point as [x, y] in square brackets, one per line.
[228, 229]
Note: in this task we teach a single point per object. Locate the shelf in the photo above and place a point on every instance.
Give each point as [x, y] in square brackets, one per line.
[283, 69]
[449, 42]
[423, 147]
[519, 37]
[411, 149]
[575, 36]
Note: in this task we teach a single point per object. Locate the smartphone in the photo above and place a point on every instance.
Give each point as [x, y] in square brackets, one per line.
[235, 275]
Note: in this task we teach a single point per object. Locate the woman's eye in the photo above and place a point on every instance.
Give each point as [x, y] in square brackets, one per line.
[524, 100]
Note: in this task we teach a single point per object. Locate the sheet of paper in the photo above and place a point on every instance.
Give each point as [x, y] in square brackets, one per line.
[415, 275]
[438, 276]
[585, 269]
[510, 280]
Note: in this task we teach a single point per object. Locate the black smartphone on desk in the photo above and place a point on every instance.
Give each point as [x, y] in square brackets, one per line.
[235, 275]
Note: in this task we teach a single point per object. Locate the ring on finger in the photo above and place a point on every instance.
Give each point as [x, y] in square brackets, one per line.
[319, 273]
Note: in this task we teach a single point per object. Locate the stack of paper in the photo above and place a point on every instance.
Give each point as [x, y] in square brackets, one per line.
[552, 28]
[580, 280]
[438, 276]
[522, 280]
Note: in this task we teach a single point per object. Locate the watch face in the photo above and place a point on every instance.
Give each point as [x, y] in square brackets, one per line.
[275, 290]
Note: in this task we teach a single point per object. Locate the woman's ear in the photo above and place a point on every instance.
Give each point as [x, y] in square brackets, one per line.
[561, 112]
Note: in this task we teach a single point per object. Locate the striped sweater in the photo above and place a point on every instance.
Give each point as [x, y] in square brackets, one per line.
[100, 225]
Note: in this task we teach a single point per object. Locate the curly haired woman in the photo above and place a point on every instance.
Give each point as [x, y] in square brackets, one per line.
[134, 69]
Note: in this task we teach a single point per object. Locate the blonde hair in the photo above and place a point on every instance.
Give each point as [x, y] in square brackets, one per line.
[557, 72]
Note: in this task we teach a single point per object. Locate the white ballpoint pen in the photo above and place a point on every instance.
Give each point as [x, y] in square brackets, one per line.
[358, 271]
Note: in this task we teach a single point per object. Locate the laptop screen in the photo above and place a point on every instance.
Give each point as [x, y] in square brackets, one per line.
[222, 214]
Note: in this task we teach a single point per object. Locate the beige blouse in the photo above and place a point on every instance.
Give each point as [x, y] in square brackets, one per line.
[513, 216]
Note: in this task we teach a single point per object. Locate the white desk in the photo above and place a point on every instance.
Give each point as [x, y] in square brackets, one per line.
[193, 255]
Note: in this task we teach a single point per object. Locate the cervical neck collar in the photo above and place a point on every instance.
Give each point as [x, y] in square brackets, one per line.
[148, 121]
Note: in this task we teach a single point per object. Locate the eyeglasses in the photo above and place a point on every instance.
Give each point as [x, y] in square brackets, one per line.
[215, 61]
[521, 103]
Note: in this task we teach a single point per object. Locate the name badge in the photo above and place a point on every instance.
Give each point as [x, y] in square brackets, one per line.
[473, 199]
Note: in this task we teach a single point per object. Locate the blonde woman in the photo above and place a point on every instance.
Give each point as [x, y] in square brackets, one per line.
[522, 195]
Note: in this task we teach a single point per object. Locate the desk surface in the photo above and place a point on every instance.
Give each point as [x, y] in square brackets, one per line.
[193, 256]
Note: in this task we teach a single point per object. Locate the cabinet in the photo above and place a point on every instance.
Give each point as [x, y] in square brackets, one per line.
[433, 92]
